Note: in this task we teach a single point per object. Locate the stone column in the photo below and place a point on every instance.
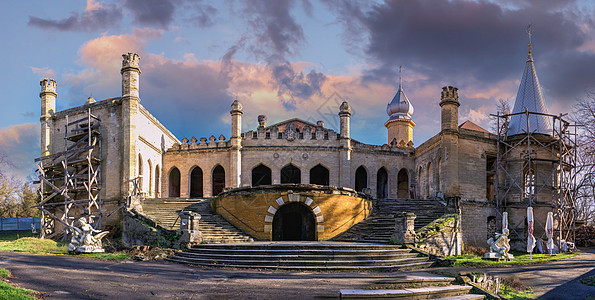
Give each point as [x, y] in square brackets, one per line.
[404, 228]
[130, 108]
[189, 222]
[48, 108]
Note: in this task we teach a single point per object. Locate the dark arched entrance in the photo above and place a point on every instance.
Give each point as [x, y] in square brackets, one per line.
[196, 183]
[291, 174]
[382, 184]
[294, 222]
[361, 179]
[319, 175]
[174, 183]
[218, 180]
[261, 175]
[403, 184]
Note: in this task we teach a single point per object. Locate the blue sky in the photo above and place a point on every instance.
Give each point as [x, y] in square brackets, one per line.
[286, 58]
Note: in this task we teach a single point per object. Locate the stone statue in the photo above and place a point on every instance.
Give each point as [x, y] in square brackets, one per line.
[84, 238]
[499, 248]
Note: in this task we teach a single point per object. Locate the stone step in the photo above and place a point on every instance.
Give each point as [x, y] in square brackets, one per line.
[428, 292]
[300, 262]
[300, 257]
[463, 297]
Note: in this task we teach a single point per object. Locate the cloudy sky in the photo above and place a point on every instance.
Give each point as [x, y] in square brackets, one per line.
[286, 59]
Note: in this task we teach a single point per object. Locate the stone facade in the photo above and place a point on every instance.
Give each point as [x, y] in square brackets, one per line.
[453, 164]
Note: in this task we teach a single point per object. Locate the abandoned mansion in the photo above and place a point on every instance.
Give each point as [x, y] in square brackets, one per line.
[298, 180]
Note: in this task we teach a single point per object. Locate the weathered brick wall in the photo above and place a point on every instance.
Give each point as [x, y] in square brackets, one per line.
[253, 212]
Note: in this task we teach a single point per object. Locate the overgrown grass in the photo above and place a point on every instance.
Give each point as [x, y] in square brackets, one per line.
[7, 291]
[512, 294]
[12, 243]
[520, 258]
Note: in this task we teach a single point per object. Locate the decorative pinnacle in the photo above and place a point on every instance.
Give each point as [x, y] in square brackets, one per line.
[529, 32]
[400, 77]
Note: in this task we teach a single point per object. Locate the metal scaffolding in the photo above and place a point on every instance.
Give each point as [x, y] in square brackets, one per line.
[557, 150]
[70, 180]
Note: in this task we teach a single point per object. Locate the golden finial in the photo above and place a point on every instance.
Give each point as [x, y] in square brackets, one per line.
[530, 34]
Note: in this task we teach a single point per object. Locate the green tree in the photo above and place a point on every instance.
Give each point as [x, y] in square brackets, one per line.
[28, 199]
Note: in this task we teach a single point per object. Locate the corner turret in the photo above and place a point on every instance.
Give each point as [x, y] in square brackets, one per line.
[399, 124]
[130, 75]
[449, 104]
[48, 108]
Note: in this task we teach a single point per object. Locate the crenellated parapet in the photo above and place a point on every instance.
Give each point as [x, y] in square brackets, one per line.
[203, 143]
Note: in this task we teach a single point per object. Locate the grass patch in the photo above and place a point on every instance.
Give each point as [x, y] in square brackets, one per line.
[520, 258]
[15, 236]
[514, 289]
[8, 291]
[12, 243]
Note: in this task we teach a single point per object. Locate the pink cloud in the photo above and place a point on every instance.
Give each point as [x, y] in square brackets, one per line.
[20, 146]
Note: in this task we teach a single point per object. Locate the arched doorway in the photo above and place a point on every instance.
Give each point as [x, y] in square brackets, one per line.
[218, 180]
[294, 222]
[361, 179]
[319, 175]
[157, 182]
[261, 175]
[382, 184]
[291, 174]
[403, 185]
[174, 182]
[196, 183]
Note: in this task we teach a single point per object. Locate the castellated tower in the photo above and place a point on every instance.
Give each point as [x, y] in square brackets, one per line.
[48, 107]
[236, 143]
[399, 124]
[449, 135]
[130, 109]
[344, 115]
[449, 104]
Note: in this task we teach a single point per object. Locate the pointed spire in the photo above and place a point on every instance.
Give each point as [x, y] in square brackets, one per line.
[529, 98]
[399, 107]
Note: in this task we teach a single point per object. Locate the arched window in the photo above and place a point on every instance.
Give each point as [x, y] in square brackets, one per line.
[430, 180]
[174, 182]
[150, 180]
[157, 182]
[261, 175]
[139, 182]
[291, 174]
[382, 184]
[218, 180]
[361, 179]
[529, 182]
[319, 175]
[196, 190]
[403, 185]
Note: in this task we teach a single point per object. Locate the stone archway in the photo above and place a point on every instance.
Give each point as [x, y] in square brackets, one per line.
[294, 222]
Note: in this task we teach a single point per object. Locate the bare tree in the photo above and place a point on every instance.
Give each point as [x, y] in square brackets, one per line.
[584, 194]
[502, 109]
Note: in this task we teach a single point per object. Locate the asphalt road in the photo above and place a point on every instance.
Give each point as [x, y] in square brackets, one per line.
[66, 277]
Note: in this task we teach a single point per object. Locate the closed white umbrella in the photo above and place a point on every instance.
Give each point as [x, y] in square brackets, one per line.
[549, 230]
[504, 220]
[530, 237]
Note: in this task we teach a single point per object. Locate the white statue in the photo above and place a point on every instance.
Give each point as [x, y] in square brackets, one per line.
[84, 239]
[499, 248]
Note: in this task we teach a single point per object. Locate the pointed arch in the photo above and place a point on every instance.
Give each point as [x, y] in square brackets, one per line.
[218, 179]
[150, 178]
[261, 175]
[430, 180]
[382, 183]
[196, 182]
[174, 182]
[291, 174]
[157, 181]
[140, 174]
[403, 184]
[420, 183]
[319, 174]
[361, 179]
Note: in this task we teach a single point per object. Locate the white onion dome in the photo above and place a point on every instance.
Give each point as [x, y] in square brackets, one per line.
[400, 107]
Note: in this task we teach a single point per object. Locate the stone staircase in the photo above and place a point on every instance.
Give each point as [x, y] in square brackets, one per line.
[380, 225]
[315, 256]
[214, 228]
[413, 285]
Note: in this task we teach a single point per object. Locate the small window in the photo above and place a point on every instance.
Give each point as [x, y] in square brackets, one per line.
[280, 135]
[301, 136]
[254, 135]
[267, 135]
[326, 135]
[313, 135]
